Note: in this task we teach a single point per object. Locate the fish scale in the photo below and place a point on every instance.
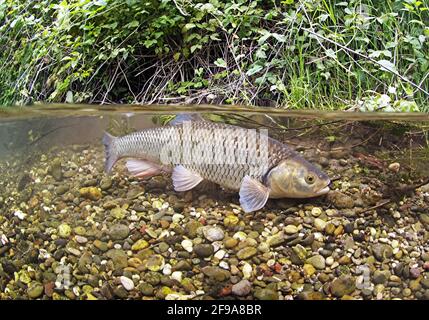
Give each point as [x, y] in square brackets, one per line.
[148, 144]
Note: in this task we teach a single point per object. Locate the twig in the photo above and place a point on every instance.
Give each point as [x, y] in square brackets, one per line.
[376, 206]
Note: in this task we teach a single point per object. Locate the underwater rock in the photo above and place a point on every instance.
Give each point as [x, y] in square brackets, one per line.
[317, 261]
[119, 231]
[140, 245]
[241, 288]
[91, 193]
[213, 233]
[344, 285]
[266, 294]
[340, 200]
[246, 253]
[64, 230]
[203, 250]
[35, 290]
[56, 169]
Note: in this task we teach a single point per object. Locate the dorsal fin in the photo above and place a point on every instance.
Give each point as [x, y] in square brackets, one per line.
[182, 117]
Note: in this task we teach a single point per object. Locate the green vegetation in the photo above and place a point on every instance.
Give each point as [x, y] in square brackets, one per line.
[301, 54]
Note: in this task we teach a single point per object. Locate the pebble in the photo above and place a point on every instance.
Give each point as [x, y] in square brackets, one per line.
[140, 245]
[230, 243]
[394, 167]
[119, 231]
[242, 288]
[81, 239]
[177, 275]
[317, 261]
[64, 230]
[343, 285]
[315, 212]
[127, 283]
[213, 233]
[155, 262]
[291, 229]
[91, 193]
[220, 254]
[266, 294]
[319, 224]
[309, 270]
[187, 245]
[382, 252]
[246, 253]
[35, 290]
[203, 250]
[247, 271]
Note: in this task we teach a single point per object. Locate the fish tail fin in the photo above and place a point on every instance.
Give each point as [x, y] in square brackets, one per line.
[110, 151]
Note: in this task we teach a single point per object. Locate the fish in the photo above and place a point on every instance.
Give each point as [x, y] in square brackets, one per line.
[193, 149]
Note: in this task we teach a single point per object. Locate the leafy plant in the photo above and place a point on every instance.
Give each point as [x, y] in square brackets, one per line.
[291, 53]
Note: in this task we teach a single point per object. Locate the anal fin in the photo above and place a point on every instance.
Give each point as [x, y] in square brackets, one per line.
[143, 169]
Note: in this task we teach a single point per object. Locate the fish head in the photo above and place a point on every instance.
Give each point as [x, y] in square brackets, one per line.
[297, 178]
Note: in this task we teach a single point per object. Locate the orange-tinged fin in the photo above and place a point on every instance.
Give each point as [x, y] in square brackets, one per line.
[253, 194]
[142, 168]
[184, 179]
[110, 151]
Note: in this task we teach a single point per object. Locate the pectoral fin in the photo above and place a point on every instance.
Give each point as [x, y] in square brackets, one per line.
[253, 194]
[184, 179]
[143, 169]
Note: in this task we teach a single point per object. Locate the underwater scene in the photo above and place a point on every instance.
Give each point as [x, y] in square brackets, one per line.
[339, 209]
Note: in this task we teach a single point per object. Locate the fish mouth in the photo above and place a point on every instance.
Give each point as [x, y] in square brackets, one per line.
[324, 190]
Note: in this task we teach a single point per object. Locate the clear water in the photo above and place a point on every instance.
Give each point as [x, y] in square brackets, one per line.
[69, 231]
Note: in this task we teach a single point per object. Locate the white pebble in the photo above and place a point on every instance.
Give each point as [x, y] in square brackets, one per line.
[81, 239]
[329, 261]
[167, 269]
[240, 235]
[187, 245]
[21, 215]
[127, 283]
[247, 271]
[315, 212]
[177, 217]
[213, 233]
[177, 275]
[224, 265]
[220, 254]
[319, 224]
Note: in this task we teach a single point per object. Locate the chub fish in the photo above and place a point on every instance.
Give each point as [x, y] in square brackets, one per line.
[279, 172]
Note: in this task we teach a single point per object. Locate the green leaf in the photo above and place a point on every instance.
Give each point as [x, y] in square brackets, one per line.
[386, 65]
[195, 47]
[188, 26]
[221, 63]
[134, 24]
[254, 69]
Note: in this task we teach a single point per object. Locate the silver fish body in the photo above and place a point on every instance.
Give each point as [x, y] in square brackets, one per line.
[265, 163]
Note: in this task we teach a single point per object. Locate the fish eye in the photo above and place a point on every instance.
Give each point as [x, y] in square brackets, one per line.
[310, 178]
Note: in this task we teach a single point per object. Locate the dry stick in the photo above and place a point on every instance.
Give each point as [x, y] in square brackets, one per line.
[377, 206]
[180, 9]
[370, 59]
